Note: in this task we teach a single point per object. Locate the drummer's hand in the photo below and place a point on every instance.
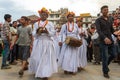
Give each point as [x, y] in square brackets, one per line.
[37, 30]
[45, 30]
[60, 43]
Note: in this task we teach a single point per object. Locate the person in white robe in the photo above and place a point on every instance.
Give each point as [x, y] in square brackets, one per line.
[68, 59]
[43, 60]
[83, 47]
[56, 40]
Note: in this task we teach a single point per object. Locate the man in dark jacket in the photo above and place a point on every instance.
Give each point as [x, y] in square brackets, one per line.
[105, 30]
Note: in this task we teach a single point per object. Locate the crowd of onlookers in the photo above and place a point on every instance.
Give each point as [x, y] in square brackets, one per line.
[94, 41]
[10, 29]
[116, 26]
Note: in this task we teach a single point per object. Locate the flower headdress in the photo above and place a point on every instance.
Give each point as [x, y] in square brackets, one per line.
[79, 19]
[43, 10]
[70, 13]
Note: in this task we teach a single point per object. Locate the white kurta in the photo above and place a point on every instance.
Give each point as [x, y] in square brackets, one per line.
[43, 60]
[83, 50]
[13, 31]
[68, 59]
[56, 40]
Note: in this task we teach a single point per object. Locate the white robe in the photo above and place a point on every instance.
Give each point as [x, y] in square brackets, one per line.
[68, 59]
[83, 50]
[56, 43]
[43, 60]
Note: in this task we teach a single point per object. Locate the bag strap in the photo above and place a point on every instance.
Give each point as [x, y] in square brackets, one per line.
[38, 22]
[66, 29]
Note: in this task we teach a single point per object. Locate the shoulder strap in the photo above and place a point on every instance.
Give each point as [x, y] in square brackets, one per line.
[66, 29]
[38, 22]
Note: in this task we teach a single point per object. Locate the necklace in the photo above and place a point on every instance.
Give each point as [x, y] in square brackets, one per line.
[69, 29]
[45, 23]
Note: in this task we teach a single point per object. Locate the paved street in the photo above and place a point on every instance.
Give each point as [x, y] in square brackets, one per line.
[91, 72]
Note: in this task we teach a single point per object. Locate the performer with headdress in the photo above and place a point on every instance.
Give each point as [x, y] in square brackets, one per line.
[83, 47]
[56, 41]
[43, 59]
[68, 59]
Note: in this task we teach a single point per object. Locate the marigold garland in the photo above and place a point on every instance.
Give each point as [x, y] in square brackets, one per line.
[70, 30]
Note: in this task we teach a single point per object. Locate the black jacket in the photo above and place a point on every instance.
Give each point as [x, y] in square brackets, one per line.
[104, 28]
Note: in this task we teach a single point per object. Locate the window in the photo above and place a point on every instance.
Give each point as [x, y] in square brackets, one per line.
[57, 16]
[51, 16]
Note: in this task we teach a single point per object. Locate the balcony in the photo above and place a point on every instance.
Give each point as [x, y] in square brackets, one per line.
[54, 19]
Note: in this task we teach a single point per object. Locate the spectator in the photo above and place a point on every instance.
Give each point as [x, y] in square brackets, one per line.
[13, 53]
[24, 40]
[95, 44]
[6, 36]
[105, 30]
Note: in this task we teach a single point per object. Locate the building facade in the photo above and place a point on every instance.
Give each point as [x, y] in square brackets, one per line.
[58, 17]
[87, 19]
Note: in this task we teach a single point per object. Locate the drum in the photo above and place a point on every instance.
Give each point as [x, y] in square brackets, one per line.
[40, 30]
[73, 42]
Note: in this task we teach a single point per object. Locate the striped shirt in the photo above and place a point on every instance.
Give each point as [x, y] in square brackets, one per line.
[5, 31]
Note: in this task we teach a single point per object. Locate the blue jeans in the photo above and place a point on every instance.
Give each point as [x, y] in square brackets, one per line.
[6, 52]
[108, 54]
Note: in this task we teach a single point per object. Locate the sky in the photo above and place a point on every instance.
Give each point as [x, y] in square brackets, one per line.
[18, 8]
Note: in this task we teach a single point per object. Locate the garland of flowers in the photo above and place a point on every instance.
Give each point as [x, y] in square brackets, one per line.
[46, 22]
[70, 30]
